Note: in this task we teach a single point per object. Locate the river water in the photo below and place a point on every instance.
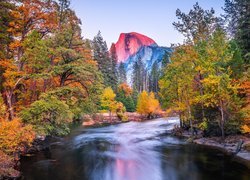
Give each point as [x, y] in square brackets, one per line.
[130, 151]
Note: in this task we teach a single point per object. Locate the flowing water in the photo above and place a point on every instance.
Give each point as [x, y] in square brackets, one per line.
[130, 151]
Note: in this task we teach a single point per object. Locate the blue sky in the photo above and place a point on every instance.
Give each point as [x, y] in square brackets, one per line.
[152, 18]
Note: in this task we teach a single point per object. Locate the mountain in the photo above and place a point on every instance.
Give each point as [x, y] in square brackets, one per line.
[129, 44]
[133, 46]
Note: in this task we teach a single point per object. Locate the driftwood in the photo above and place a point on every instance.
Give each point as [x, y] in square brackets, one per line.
[239, 146]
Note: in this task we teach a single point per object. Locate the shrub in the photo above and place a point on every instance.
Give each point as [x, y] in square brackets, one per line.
[49, 116]
[15, 136]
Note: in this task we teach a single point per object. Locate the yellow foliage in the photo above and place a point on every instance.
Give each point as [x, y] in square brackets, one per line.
[2, 109]
[108, 98]
[15, 136]
[147, 103]
[245, 129]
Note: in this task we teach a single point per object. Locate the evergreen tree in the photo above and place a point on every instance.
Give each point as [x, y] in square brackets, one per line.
[122, 73]
[139, 76]
[5, 19]
[238, 15]
[198, 24]
[114, 64]
[124, 95]
[154, 78]
[101, 55]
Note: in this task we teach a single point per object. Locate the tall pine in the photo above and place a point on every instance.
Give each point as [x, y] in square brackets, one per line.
[101, 55]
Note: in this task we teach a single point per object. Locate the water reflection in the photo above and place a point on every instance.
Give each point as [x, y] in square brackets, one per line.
[130, 151]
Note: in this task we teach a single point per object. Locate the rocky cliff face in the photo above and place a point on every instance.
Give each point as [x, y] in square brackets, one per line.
[130, 43]
[132, 46]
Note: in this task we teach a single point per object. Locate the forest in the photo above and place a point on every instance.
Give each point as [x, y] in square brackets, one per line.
[51, 77]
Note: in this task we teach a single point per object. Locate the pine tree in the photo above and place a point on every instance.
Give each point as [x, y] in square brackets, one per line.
[198, 24]
[114, 65]
[124, 95]
[139, 76]
[101, 55]
[238, 16]
[154, 78]
[122, 73]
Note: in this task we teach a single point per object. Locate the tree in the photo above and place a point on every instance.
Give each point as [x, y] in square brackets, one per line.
[177, 87]
[124, 95]
[147, 104]
[101, 55]
[122, 73]
[198, 24]
[154, 77]
[15, 136]
[5, 36]
[219, 87]
[49, 116]
[2, 109]
[238, 15]
[114, 63]
[108, 100]
[139, 76]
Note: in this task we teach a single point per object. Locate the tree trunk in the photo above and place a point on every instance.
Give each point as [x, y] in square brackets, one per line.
[201, 93]
[110, 116]
[190, 120]
[181, 122]
[222, 120]
[9, 103]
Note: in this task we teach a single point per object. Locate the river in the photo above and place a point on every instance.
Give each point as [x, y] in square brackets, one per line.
[130, 151]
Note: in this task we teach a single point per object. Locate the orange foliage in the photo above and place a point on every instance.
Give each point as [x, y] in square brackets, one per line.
[126, 88]
[15, 136]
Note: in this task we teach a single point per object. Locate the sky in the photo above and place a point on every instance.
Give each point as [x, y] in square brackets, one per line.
[152, 18]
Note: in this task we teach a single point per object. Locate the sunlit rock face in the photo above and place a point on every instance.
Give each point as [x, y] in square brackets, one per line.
[133, 46]
[130, 43]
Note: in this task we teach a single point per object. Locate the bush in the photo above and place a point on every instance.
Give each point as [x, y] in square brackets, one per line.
[6, 166]
[15, 136]
[49, 116]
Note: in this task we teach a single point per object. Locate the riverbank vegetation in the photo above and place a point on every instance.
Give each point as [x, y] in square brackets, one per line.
[50, 76]
[207, 83]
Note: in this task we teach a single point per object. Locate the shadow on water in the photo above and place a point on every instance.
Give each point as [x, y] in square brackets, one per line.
[130, 151]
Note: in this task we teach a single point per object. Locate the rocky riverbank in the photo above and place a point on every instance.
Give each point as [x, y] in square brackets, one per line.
[102, 119]
[238, 146]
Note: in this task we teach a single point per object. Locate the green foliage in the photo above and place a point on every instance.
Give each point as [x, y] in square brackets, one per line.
[202, 80]
[139, 75]
[126, 100]
[238, 18]
[154, 77]
[198, 24]
[106, 64]
[122, 73]
[49, 116]
[5, 19]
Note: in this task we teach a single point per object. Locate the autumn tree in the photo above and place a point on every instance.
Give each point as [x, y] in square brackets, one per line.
[177, 83]
[147, 104]
[108, 102]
